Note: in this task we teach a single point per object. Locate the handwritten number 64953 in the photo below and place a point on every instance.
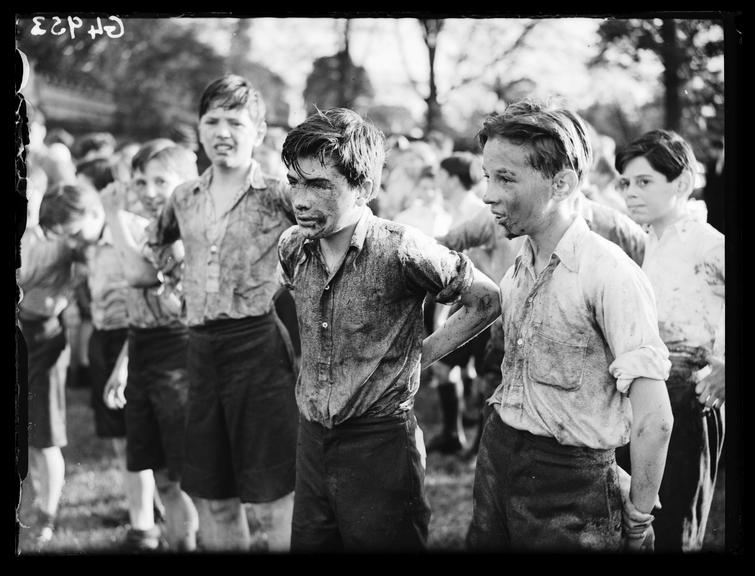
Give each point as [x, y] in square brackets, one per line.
[57, 28]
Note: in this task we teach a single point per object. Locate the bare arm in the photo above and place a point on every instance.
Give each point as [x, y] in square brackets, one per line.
[137, 269]
[480, 307]
[652, 422]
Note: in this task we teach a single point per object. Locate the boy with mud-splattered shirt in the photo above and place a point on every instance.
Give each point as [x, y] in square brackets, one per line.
[359, 283]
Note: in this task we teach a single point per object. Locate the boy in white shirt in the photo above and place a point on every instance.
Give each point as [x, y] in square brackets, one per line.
[684, 260]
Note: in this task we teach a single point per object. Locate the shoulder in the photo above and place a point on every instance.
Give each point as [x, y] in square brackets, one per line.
[184, 191]
[599, 256]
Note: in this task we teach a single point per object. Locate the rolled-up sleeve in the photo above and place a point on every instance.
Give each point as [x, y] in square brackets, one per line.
[430, 267]
[626, 311]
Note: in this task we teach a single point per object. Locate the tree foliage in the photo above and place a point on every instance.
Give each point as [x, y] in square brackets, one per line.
[691, 52]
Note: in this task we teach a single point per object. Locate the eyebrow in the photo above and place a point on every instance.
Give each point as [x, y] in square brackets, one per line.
[310, 180]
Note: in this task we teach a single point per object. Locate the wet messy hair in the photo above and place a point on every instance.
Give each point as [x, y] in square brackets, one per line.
[465, 166]
[666, 151]
[356, 146]
[174, 157]
[65, 203]
[556, 137]
[233, 91]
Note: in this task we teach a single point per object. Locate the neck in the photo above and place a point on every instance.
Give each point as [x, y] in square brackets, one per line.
[334, 246]
[661, 224]
[544, 242]
[230, 177]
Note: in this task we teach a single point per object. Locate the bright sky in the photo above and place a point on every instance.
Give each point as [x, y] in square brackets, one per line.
[392, 50]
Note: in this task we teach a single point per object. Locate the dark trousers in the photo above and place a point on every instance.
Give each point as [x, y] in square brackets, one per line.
[689, 479]
[532, 493]
[360, 487]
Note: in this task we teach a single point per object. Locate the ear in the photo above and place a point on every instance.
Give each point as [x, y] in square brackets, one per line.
[563, 184]
[684, 183]
[261, 131]
[364, 192]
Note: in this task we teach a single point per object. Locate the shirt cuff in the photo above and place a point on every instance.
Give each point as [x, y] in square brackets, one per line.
[461, 282]
[645, 362]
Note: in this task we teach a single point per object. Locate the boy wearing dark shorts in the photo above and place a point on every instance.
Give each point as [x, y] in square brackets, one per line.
[155, 392]
[241, 422]
[359, 283]
[77, 214]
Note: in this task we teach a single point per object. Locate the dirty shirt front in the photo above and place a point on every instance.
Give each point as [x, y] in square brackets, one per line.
[361, 324]
[577, 335]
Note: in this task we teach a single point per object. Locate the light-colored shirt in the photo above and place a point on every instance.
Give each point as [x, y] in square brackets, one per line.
[46, 274]
[361, 324]
[107, 281]
[576, 336]
[231, 258]
[686, 269]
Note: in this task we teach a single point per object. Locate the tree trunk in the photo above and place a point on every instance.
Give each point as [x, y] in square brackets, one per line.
[434, 117]
[671, 77]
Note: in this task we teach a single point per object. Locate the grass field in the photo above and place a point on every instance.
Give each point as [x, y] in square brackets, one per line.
[92, 504]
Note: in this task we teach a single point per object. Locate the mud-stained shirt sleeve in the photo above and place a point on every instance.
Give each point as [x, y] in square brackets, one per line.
[433, 268]
[288, 245]
[625, 309]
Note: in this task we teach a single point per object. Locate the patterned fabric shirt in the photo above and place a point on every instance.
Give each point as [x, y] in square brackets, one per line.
[686, 267]
[46, 274]
[576, 336]
[361, 324]
[231, 259]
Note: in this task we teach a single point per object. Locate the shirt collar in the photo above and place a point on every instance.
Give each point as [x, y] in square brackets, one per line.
[566, 249]
[254, 178]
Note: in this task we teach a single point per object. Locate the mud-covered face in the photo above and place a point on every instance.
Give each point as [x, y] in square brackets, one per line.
[324, 202]
[518, 195]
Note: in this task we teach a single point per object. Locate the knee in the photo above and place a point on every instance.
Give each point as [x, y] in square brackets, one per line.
[225, 511]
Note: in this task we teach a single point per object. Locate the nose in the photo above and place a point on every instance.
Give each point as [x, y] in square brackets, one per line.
[221, 129]
[301, 199]
[486, 195]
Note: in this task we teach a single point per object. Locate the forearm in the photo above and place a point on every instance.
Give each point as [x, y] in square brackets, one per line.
[480, 309]
[651, 432]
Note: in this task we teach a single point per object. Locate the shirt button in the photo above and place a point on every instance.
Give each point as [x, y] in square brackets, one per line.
[324, 324]
[213, 249]
[529, 300]
[519, 342]
[327, 287]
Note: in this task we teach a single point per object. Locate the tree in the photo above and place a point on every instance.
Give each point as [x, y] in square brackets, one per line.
[156, 71]
[337, 81]
[691, 52]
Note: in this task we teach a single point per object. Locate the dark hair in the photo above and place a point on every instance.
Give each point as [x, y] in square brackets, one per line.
[98, 170]
[355, 145]
[94, 142]
[65, 203]
[666, 151]
[465, 166]
[174, 157]
[233, 91]
[556, 136]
